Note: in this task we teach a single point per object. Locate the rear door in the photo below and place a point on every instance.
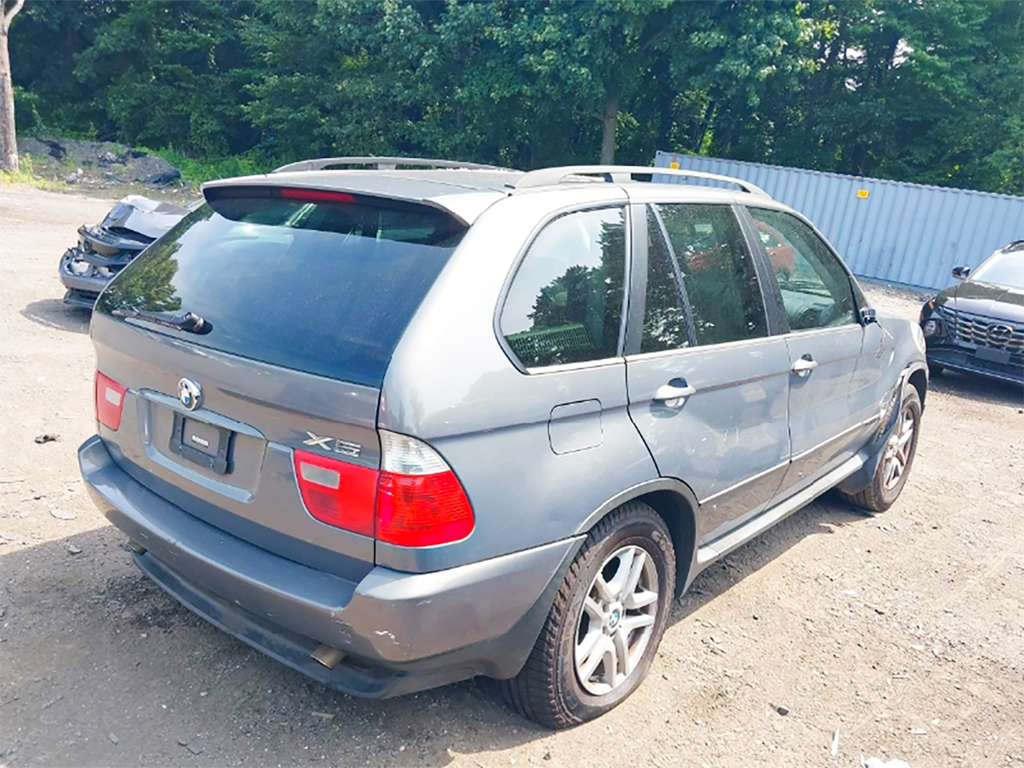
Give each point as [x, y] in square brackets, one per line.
[831, 407]
[708, 386]
[260, 325]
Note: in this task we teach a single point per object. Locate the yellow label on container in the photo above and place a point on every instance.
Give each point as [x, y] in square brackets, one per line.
[674, 165]
[863, 194]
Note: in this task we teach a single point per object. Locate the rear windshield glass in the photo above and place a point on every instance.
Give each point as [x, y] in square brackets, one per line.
[322, 287]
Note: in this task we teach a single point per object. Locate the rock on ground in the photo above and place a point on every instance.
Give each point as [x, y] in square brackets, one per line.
[95, 163]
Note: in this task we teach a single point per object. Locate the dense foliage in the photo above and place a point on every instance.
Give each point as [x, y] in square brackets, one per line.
[920, 90]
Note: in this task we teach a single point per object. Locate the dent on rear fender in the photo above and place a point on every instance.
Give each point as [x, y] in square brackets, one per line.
[406, 617]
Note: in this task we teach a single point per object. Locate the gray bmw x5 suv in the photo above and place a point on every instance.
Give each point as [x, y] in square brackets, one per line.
[407, 424]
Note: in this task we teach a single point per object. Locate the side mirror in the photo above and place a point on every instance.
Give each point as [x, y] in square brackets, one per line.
[868, 316]
[961, 273]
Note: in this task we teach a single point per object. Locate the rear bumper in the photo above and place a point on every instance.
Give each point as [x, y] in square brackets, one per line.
[400, 632]
[965, 359]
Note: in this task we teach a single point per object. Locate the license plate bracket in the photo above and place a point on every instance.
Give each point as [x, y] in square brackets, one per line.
[993, 355]
[201, 443]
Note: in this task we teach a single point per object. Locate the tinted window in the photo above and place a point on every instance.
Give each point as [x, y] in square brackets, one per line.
[718, 272]
[565, 303]
[816, 290]
[1006, 269]
[326, 288]
[664, 315]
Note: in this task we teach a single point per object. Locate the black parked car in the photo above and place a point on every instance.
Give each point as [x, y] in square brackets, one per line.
[977, 325]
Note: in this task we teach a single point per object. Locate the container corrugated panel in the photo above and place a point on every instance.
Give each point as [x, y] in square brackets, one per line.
[888, 230]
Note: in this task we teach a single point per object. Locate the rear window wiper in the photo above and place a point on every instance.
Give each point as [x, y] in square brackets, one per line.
[190, 322]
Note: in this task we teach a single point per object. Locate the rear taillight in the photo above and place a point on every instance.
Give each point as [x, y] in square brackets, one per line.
[420, 502]
[414, 500]
[109, 401]
[336, 492]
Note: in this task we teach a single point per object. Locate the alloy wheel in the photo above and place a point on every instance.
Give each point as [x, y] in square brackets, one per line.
[617, 620]
[897, 450]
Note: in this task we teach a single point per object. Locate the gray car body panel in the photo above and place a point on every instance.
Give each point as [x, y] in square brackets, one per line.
[387, 617]
[543, 454]
[273, 411]
[492, 420]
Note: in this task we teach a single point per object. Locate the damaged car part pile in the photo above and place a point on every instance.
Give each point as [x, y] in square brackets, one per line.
[105, 249]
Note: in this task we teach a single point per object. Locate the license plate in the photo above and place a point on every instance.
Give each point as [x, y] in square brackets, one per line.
[993, 355]
[201, 443]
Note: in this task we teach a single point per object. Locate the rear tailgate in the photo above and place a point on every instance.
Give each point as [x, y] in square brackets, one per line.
[302, 298]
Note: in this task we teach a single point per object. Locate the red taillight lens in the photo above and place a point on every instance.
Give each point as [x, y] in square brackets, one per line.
[336, 492]
[422, 510]
[415, 500]
[109, 401]
[420, 502]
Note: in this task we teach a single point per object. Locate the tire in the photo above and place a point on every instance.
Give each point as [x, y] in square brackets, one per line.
[548, 689]
[882, 492]
[934, 369]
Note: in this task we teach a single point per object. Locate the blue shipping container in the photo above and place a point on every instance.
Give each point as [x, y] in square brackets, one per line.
[888, 230]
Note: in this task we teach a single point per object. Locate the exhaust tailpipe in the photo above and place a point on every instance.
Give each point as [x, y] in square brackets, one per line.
[328, 656]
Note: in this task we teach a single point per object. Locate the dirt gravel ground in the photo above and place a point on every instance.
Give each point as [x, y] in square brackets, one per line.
[904, 632]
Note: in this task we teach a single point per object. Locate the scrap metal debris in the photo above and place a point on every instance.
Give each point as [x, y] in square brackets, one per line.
[105, 249]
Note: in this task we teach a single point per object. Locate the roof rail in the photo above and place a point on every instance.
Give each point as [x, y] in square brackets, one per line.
[619, 174]
[383, 164]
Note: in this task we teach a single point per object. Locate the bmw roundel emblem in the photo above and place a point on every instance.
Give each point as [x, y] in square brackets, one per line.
[190, 394]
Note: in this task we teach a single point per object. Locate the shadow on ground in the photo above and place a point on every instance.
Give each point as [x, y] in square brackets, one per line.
[824, 516]
[54, 313]
[92, 649]
[978, 388]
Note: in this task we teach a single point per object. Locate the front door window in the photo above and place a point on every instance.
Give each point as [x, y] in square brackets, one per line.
[816, 290]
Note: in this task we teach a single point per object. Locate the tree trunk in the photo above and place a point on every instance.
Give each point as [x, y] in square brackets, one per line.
[702, 128]
[609, 122]
[8, 142]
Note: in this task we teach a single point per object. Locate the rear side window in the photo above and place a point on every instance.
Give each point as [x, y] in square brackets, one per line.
[316, 286]
[718, 272]
[565, 302]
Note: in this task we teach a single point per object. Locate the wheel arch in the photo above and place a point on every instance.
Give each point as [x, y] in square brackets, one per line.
[919, 379]
[676, 504]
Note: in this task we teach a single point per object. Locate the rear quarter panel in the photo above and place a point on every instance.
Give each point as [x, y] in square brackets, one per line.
[451, 384]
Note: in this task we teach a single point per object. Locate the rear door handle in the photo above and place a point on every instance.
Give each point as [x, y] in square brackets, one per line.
[674, 395]
[804, 366]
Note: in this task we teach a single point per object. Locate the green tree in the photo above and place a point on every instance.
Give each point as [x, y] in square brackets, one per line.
[919, 91]
[51, 36]
[172, 74]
